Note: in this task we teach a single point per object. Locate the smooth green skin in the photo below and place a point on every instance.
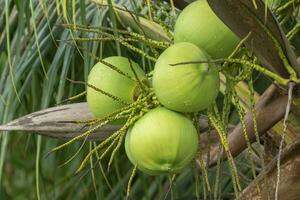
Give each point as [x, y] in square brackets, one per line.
[189, 87]
[108, 80]
[162, 142]
[199, 25]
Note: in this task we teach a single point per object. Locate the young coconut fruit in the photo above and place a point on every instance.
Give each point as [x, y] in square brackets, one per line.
[110, 81]
[186, 87]
[198, 24]
[161, 142]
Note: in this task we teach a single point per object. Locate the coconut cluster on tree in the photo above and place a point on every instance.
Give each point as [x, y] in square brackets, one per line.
[160, 134]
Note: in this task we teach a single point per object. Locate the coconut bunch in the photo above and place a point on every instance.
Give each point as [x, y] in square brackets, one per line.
[156, 113]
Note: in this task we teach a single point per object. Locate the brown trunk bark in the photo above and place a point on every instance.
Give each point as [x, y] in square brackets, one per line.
[289, 186]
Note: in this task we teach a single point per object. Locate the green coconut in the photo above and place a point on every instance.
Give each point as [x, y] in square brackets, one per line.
[198, 24]
[108, 80]
[187, 87]
[161, 142]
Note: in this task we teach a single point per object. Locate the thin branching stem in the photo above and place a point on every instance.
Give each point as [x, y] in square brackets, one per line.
[257, 67]
[130, 182]
[286, 116]
[113, 97]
